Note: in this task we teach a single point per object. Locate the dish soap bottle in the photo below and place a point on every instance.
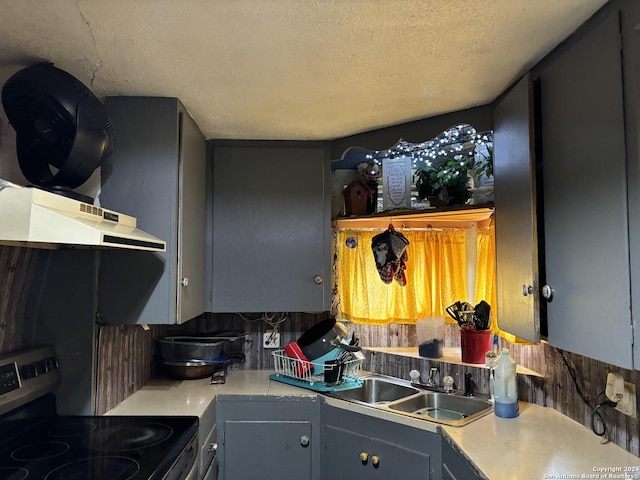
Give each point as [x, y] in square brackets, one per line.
[506, 389]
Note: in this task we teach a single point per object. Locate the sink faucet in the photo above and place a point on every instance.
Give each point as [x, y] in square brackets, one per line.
[434, 377]
[468, 385]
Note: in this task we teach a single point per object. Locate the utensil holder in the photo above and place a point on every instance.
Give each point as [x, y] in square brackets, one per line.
[474, 345]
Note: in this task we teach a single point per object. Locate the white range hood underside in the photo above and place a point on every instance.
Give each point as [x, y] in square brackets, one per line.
[36, 218]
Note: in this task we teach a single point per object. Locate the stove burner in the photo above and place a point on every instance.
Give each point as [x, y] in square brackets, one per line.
[96, 468]
[39, 451]
[11, 473]
[129, 437]
[72, 429]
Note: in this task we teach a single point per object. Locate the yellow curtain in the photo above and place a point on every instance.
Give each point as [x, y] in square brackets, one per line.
[436, 277]
[486, 279]
[486, 270]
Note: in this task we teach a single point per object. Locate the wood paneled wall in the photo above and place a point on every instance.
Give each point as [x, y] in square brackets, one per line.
[16, 276]
[126, 354]
[125, 361]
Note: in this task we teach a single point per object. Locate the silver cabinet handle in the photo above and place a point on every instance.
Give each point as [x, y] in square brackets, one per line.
[318, 279]
[527, 290]
[547, 292]
[304, 440]
[185, 281]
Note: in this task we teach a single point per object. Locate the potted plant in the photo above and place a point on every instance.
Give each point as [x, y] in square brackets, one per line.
[444, 181]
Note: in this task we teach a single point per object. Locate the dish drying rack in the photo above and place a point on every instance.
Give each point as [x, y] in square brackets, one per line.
[310, 374]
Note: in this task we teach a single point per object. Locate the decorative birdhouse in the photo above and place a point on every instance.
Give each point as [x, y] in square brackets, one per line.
[358, 198]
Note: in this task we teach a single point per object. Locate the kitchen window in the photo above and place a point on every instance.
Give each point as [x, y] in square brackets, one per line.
[443, 265]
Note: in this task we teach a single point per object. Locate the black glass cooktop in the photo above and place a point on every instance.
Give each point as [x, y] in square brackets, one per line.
[91, 448]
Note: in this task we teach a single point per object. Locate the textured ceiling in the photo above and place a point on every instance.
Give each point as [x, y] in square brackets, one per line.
[292, 69]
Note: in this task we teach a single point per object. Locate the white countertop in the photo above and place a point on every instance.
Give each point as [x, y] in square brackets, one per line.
[539, 444]
[165, 396]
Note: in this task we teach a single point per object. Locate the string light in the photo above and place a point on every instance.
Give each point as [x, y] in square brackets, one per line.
[453, 142]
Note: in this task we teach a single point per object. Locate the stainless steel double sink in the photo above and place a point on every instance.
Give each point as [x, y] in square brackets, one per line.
[399, 396]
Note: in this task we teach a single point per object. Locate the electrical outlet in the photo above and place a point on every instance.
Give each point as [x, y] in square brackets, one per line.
[271, 339]
[621, 392]
[628, 407]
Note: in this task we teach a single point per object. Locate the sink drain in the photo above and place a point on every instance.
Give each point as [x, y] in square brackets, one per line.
[439, 413]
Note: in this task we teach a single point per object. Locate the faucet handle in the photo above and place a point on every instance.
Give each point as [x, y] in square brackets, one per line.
[447, 382]
[414, 375]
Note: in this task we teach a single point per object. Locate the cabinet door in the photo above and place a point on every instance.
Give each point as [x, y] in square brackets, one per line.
[156, 173]
[355, 456]
[516, 221]
[454, 466]
[586, 227]
[191, 220]
[263, 450]
[270, 230]
[267, 439]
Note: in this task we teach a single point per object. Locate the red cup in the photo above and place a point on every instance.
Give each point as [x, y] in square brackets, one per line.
[474, 345]
[303, 365]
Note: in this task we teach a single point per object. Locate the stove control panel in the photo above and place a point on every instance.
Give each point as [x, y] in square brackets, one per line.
[9, 378]
[27, 375]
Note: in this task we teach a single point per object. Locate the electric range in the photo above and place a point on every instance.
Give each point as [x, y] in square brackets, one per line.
[36, 443]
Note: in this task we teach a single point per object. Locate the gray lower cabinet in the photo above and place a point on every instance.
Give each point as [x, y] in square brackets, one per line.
[362, 447]
[269, 228]
[156, 173]
[454, 466]
[267, 439]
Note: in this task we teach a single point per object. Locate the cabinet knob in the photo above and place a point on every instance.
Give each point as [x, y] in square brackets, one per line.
[212, 448]
[318, 279]
[375, 461]
[185, 281]
[304, 440]
[364, 457]
[547, 292]
[527, 290]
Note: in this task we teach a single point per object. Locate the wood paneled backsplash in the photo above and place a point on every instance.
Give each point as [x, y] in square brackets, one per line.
[570, 383]
[125, 353]
[125, 361]
[16, 276]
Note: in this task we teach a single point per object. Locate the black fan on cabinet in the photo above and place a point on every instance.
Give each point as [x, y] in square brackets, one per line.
[59, 123]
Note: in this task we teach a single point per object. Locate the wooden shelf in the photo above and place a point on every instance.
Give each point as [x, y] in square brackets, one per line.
[451, 355]
[448, 217]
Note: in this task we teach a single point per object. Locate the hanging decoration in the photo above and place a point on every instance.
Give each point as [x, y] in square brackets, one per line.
[389, 251]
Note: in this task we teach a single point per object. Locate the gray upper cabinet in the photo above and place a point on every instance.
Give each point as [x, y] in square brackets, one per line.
[156, 174]
[516, 215]
[269, 228]
[585, 190]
